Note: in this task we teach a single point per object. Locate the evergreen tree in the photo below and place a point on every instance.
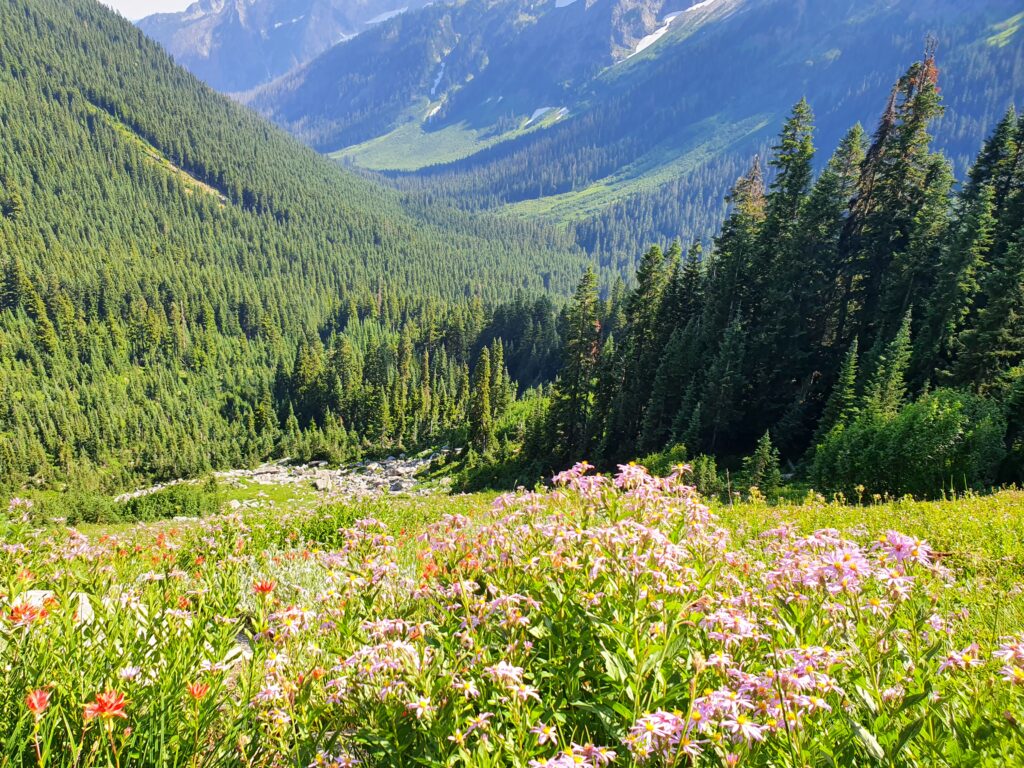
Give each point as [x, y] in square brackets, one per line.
[842, 403]
[818, 265]
[609, 381]
[571, 410]
[723, 392]
[963, 262]
[778, 295]
[731, 270]
[998, 164]
[16, 286]
[640, 355]
[762, 468]
[900, 182]
[886, 390]
[792, 159]
[481, 423]
[379, 426]
[572, 394]
[13, 207]
[501, 393]
[994, 345]
[688, 431]
[667, 392]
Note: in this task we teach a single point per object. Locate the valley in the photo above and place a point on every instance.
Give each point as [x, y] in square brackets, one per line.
[624, 137]
[512, 384]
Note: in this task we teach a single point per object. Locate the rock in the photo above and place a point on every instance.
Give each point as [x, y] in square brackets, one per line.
[358, 480]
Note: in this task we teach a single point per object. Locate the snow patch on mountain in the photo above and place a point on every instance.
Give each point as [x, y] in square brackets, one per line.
[296, 20]
[538, 114]
[542, 111]
[659, 33]
[437, 80]
[380, 19]
[701, 4]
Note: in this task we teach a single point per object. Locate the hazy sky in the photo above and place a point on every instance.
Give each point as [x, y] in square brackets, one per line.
[136, 9]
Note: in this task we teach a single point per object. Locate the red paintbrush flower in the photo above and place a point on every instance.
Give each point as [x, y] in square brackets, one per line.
[264, 587]
[198, 690]
[107, 706]
[37, 701]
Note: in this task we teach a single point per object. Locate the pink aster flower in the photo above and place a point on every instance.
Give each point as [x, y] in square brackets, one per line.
[545, 734]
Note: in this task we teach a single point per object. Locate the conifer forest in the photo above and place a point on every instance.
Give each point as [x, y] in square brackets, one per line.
[511, 384]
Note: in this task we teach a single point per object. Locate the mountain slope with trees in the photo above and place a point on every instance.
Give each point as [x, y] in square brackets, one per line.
[544, 109]
[184, 286]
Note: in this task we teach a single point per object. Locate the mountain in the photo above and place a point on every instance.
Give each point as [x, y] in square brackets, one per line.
[482, 63]
[235, 45]
[184, 286]
[628, 120]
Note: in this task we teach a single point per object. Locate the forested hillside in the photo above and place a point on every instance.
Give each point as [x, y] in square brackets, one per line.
[178, 276]
[865, 322]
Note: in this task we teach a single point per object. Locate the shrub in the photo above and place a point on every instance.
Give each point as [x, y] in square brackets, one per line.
[185, 500]
[74, 508]
[664, 462]
[947, 439]
[703, 469]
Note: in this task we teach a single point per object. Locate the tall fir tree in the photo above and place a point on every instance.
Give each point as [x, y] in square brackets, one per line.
[842, 404]
[899, 177]
[571, 414]
[640, 354]
[887, 388]
[724, 389]
[957, 284]
[481, 421]
[994, 345]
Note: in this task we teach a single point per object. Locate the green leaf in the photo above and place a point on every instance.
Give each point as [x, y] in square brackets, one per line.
[913, 700]
[623, 710]
[908, 733]
[867, 698]
[868, 740]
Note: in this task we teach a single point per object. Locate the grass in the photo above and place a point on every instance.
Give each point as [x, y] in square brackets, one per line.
[977, 536]
[457, 631]
[156, 157]
[411, 147]
[1005, 31]
[660, 165]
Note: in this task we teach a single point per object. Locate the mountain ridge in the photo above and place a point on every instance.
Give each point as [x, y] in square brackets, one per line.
[276, 35]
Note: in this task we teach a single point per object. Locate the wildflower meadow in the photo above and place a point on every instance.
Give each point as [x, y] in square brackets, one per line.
[611, 621]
